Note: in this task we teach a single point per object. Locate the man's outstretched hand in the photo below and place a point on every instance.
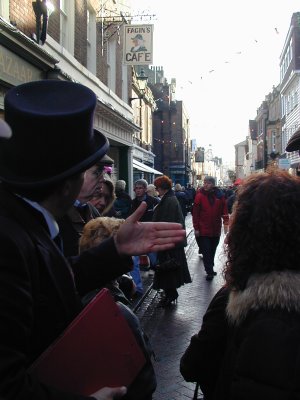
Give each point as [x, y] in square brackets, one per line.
[134, 237]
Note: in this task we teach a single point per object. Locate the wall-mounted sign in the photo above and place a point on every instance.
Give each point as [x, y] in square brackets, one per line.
[138, 45]
[15, 70]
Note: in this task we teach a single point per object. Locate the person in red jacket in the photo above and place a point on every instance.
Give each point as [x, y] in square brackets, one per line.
[208, 211]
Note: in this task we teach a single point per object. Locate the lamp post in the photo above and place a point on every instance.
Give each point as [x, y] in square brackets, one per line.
[142, 80]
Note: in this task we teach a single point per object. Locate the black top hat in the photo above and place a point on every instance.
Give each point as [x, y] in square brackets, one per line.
[294, 142]
[52, 133]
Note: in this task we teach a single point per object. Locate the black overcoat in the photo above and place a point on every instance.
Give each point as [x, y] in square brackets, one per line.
[169, 210]
[39, 293]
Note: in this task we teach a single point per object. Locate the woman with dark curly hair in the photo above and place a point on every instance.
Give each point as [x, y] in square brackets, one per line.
[167, 278]
[248, 345]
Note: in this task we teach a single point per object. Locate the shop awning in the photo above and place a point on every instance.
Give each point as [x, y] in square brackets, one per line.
[145, 168]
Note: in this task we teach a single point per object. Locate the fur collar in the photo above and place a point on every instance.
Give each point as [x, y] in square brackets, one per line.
[278, 289]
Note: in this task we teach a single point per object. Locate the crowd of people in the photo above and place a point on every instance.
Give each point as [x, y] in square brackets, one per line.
[68, 231]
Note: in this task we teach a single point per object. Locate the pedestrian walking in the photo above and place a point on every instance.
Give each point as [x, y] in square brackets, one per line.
[140, 189]
[231, 199]
[208, 212]
[122, 203]
[182, 199]
[248, 345]
[191, 194]
[40, 180]
[172, 270]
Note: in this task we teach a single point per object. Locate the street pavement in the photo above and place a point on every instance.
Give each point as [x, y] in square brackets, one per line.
[170, 329]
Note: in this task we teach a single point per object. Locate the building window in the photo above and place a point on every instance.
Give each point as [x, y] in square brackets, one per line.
[67, 20]
[91, 40]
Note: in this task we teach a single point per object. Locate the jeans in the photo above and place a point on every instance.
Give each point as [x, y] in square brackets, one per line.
[208, 246]
[136, 275]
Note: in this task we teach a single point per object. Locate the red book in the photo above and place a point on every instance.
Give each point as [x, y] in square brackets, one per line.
[97, 349]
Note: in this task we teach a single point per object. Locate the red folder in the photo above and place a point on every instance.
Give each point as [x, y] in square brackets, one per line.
[97, 349]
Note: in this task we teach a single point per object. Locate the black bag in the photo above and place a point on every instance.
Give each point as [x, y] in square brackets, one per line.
[170, 264]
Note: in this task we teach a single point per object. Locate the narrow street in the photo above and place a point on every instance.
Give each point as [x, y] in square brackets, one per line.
[170, 329]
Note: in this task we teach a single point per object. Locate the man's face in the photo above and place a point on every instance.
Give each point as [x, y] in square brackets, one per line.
[140, 191]
[92, 180]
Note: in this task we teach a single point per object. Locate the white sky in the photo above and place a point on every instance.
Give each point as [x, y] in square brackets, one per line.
[240, 41]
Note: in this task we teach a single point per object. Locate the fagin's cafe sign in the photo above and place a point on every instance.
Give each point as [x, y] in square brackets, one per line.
[138, 41]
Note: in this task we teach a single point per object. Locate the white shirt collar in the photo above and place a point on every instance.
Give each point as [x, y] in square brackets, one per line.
[50, 220]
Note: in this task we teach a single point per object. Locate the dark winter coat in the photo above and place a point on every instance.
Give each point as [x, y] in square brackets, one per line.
[183, 201]
[122, 204]
[260, 358]
[230, 202]
[151, 204]
[38, 297]
[71, 227]
[169, 210]
[208, 215]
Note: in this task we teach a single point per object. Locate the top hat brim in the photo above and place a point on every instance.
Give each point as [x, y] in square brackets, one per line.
[101, 146]
[294, 142]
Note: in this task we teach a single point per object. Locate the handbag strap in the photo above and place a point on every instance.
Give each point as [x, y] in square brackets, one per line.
[195, 397]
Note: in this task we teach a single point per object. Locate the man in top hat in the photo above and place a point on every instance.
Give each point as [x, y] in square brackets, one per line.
[138, 42]
[209, 210]
[46, 145]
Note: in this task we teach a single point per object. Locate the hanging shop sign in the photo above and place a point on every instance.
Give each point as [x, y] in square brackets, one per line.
[138, 45]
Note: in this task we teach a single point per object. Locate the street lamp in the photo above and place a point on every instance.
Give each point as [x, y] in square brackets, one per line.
[42, 10]
[142, 80]
[251, 168]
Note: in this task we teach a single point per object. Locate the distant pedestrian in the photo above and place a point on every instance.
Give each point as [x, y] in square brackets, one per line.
[151, 191]
[190, 193]
[208, 211]
[140, 189]
[231, 199]
[122, 203]
[182, 199]
[170, 279]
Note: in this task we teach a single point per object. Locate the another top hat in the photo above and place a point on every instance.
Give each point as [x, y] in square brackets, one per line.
[294, 142]
[52, 133]
[138, 37]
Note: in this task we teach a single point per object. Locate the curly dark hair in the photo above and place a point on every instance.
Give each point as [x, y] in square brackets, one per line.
[164, 182]
[264, 229]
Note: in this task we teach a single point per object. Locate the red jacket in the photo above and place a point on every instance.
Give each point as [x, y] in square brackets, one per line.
[207, 217]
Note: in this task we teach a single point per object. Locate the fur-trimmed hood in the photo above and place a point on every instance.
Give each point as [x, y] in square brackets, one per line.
[278, 289]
